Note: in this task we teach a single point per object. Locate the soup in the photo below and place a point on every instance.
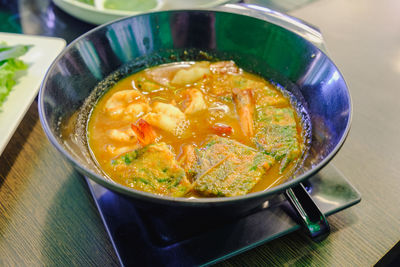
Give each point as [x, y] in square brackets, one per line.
[195, 129]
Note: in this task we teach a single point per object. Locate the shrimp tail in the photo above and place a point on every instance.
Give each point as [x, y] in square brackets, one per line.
[145, 133]
[244, 101]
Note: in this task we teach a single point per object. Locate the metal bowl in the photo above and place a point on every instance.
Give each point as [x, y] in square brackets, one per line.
[252, 39]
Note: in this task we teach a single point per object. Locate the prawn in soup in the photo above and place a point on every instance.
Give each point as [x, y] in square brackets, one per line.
[195, 129]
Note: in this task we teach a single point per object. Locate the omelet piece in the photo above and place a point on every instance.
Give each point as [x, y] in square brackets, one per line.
[277, 133]
[229, 168]
[153, 169]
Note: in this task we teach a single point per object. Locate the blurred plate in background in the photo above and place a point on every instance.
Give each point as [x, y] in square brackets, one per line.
[102, 11]
[39, 58]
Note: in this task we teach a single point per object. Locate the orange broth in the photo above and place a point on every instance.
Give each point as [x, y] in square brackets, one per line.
[221, 109]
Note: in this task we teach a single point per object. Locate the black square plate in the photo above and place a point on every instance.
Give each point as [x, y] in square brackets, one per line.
[135, 244]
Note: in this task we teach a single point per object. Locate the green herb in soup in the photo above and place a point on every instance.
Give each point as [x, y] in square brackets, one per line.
[195, 129]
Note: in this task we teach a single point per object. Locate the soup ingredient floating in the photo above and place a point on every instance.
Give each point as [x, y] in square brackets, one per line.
[195, 129]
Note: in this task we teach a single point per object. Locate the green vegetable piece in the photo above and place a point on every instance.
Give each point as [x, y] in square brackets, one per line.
[13, 52]
[9, 66]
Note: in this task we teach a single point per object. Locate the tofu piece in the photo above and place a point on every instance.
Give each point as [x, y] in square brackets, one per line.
[168, 110]
[277, 134]
[153, 169]
[229, 168]
[196, 103]
[166, 117]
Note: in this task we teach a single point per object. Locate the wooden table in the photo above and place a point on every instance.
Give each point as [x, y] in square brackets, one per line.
[47, 216]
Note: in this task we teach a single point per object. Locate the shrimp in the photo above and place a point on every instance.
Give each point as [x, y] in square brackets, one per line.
[130, 103]
[136, 110]
[196, 103]
[126, 136]
[245, 107]
[139, 134]
[144, 132]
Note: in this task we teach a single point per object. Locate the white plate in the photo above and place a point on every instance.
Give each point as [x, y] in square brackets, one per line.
[39, 57]
[97, 14]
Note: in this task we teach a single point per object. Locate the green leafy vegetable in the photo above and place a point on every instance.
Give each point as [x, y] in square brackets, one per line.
[9, 65]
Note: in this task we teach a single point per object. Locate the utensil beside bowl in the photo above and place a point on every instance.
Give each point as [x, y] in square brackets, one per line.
[110, 52]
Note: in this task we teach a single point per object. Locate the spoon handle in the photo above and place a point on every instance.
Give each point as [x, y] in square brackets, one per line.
[311, 216]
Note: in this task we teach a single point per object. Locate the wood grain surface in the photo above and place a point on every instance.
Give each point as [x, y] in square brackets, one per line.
[48, 218]
[47, 214]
